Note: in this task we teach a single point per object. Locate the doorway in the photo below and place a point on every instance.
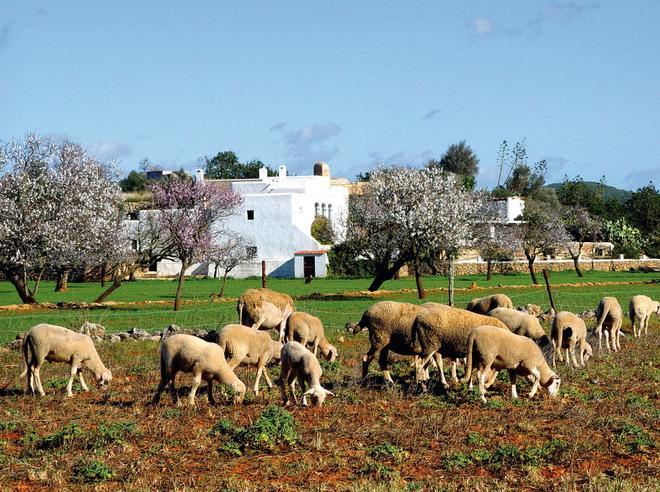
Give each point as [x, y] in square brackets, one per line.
[309, 263]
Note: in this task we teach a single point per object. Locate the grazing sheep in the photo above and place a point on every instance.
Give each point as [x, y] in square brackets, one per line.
[390, 326]
[446, 332]
[243, 345]
[482, 305]
[205, 360]
[609, 317]
[640, 310]
[264, 309]
[305, 328]
[569, 331]
[526, 325]
[58, 344]
[299, 364]
[490, 348]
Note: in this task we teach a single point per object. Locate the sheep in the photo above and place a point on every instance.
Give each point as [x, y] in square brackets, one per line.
[481, 305]
[490, 348]
[390, 327]
[299, 364]
[526, 325]
[243, 345]
[639, 311]
[205, 360]
[305, 328]
[264, 309]
[610, 317]
[58, 344]
[569, 330]
[446, 331]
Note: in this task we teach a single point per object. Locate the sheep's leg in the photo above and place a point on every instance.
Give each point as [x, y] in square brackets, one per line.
[196, 381]
[209, 392]
[454, 377]
[282, 328]
[268, 381]
[316, 346]
[647, 318]
[173, 393]
[572, 352]
[159, 390]
[37, 379]
[292, 387]
[30, 377]
[382, 362]
[82, 381]
[234, 362]
[514, 391]
[443, 380]
[367, 359]
[618, 335]
[583, 345]
[481, 377]
[260, 370]
[282, 383]
[635, 322]
[491, 378]
[537, 381]
[72, 375]
[303, 388]
[607, 340]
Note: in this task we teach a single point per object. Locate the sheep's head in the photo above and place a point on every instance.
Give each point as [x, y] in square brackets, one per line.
[317, 395]
[103, 381]
[331, 353]
[239, 390]
[587, 352]
[657, 308]
[552, 386]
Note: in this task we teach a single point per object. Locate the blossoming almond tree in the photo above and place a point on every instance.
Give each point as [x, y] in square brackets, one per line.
[234, 250]
[496, 242]
[188, 212]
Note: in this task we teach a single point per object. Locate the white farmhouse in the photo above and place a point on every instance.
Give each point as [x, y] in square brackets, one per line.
[276, 217]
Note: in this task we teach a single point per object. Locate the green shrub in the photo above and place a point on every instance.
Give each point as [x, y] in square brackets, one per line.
[475, 439]
[456, 461]
[65, 437]
[387, 450]
[90, 471]
[112, 433]
[634, 437]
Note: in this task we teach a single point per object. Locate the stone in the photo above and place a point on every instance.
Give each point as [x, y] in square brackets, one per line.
[113, 338]
[154, 338]
[588, 314]
[169, 331]
[123, 335]
[92, 329]
[199, 333]
[533, 309]
[139, 334]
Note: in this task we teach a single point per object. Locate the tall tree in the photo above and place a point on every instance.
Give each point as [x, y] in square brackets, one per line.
[643, 212]
[188, 215]
[582, 226]
[460, 159]
[225, 165]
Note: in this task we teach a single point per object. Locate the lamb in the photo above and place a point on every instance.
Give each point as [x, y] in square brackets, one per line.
[305, 328]
[483, 305]
[264, 309]
[639, 311]
[610, 317]
[299, 364]
[490, 348]
[446, 331]
[569, 331]
[390, 326]
[58, 344]
[243, 345]
[205, 360]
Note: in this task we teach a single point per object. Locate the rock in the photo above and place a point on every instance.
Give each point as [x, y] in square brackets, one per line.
[123, 335]
[16, 344]
[170, 330]
[113, 338]
[154, 338]
[139, 333]
[588, 314]
[199, 333]
[533, 309]
[341, 339]
[92, 329]
[96, 339]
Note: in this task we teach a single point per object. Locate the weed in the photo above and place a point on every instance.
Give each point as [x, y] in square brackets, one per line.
[8, 426]
[231, 448]
[634, 437]
[456, 461]
[225, 427]
[90, 471]
[505, 454]
[68, 435]
[139, 369]
[172, 413]
[480, 455]
[112, 433]
[475, 439]
[377, 470]
[495, 403]
[388, 450]
[641, 402]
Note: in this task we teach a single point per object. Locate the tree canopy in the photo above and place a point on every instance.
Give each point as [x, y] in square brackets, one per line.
[460, 159]
[226, 165]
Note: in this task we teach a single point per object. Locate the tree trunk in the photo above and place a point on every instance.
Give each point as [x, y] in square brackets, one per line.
[18, 281]
[576, 263]
[222, 288]
[384, 274]
[62, 283]
[421, 293]
[530, 265]
[489, 269]
[179, 287]
[103, 267]
[450, 291]
[215, 271]
[106, 293]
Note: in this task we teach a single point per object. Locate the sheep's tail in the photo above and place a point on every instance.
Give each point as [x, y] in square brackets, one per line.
[600, 319]
[631, 313]
[468, 363]
[25, 348]
[290, 331]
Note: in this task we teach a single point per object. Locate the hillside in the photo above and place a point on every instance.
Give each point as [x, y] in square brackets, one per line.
[610, 192]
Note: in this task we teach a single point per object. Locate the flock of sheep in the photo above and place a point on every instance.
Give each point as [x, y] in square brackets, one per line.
[488, 336]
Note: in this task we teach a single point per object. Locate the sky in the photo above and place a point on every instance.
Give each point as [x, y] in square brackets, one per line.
[353, 83]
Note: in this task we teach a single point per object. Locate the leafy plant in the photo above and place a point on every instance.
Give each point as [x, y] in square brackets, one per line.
[66, 436]
[456, 461]
[112, 433]
[388, 449]
[634, 437]
[90, 471]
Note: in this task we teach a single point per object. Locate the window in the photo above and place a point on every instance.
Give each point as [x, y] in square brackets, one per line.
[251, 250]
[134, 244]
[250, 214]
[316, 209]
[329, 211]
[323, 209]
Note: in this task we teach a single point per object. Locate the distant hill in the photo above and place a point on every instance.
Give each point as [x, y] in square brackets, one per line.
[608, 193]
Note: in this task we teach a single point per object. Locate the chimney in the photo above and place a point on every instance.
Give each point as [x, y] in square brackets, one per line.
[263, 173]
[321, 169]
[282, 171]
[199, 175]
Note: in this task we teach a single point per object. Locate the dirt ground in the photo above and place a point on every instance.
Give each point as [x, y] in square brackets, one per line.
[600, 434]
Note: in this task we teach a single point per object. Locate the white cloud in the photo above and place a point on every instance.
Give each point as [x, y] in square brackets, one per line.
[482, 26]
[110, 149]
[308, 144]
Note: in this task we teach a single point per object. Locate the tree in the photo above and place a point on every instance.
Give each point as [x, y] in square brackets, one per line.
[496, 242]
[225, 165]
[59, 204]
[188, 216]
[582, 227]
[459, 159]
[521, 179]
[576, 193]
[643, 212]
[628, 240]
[542, 231]
[321, 230]
[235, 250]
[405, 215]
[135, 181]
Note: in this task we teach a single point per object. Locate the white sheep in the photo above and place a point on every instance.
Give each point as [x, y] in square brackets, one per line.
[264, 309]
[243, 345]
[490, 348]
[526, 325]
[205, 360]
[609, 318]
[640, 310]
[481, 305]
[299, 364]
[569, 332]
[308, 329]
[58, 344]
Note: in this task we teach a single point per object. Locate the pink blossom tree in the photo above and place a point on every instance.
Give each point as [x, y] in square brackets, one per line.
[188, 216]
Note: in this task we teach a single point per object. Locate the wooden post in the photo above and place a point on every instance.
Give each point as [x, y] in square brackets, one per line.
[263, 274]
[547, 285]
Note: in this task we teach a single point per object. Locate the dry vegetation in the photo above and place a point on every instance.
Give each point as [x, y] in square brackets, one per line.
[602, 433]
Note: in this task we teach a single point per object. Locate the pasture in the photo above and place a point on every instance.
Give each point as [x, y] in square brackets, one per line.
[601, 433]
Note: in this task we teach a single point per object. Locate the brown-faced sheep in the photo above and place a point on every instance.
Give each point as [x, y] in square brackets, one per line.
[308, 329]
[609, 318]
[264, 309]
[640, 310]
[482, 305]
[568, 332]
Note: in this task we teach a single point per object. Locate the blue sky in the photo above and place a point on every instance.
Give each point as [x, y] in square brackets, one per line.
[350, 82]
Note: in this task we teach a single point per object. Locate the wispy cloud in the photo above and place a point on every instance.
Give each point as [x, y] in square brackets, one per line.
[641, 177]
[481, 26]
[308, 144]
[277, 127]
[431, 114]
[5, 32]
[110, 149]
[560, 12]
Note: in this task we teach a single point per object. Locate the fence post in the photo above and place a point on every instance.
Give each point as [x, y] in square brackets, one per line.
[263, 274]
[547, 285]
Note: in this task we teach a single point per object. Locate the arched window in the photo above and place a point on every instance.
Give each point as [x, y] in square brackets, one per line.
[329, 211]
[323, 209]
[316, 209]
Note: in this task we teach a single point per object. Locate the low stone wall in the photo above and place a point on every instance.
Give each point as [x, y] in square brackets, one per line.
[520, 266]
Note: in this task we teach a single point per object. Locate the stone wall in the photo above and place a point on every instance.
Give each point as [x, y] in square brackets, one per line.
[520, 266]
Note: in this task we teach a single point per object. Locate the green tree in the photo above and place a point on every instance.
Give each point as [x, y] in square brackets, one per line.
[628, 240]
[576, 193]
[582, 226]
[643, 211]
[135, 181]
[460, 159]
[322, 230]
[225, 165]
